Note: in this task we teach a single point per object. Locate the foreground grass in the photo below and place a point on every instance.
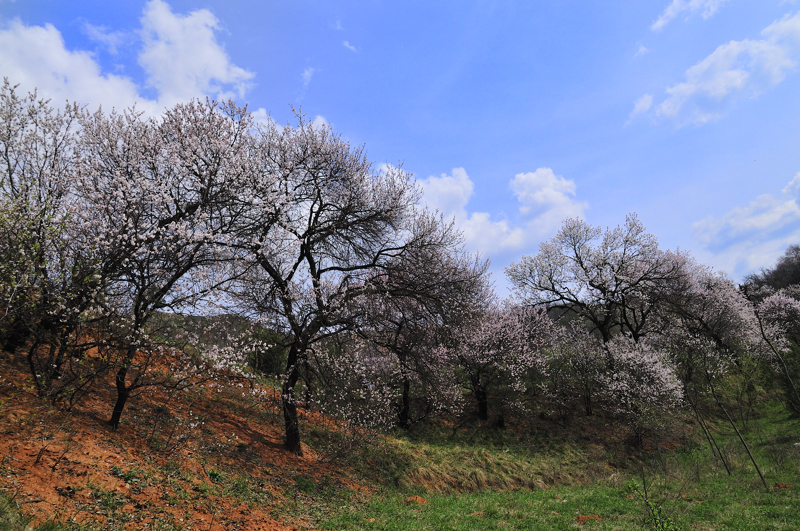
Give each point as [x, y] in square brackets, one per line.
[725, 505]
[10, 518]
[574, 487]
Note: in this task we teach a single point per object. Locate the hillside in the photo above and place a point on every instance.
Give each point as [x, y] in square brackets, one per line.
[210, 457]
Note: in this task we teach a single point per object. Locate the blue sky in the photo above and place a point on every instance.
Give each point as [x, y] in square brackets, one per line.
[512, 115]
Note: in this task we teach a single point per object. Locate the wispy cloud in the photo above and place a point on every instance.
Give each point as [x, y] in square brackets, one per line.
[349, 46]
[111, 40]
[307, 74]
[752, 236]
[640, 106]
[641, 51]
[708, 7]
[734, 71]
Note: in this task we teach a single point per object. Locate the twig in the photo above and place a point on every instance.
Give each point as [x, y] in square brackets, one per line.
[60, 457]
[36, 500]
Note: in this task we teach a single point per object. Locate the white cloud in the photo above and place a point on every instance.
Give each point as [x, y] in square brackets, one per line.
[183, 59]
[487, 236]
[36, 58]
[763, 215]
[793, 187]
[112, 40]
[545, 200]
[641, 51]
[349, 46]
[786, 30]
[548, 197]
[448, 193]
[261, 116]
[738, 69]
[320, 122]
[750, 237]
[742, 258]
[709, 7]
[542, 191]
[180, 56]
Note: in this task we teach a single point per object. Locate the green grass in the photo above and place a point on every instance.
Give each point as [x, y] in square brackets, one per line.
[556, 508]
[687, 488]
[560, 508]
[10, 518]
[716, 503]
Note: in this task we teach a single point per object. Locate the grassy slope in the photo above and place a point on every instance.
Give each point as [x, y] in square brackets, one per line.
[686, 487]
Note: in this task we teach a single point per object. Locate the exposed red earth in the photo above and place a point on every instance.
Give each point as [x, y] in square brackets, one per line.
[65, 466]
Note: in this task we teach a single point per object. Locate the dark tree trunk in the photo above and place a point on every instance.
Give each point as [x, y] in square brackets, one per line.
[483, 404]
[638, 438]
[32, 365]
[58, 353]
[405, 405]
[291, 423]
[123, 391]
[587, 401]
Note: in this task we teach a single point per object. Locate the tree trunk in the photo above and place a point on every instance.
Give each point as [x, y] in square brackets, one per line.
[122, 397]
[32, 365]
[483, 404]
[587, 401]
[123, 391]
[405, 405]
[291, 422]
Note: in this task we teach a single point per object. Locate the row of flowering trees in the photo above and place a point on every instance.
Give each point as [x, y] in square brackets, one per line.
[663, 330]
[110, 221]
[601, 320]
[367, 302]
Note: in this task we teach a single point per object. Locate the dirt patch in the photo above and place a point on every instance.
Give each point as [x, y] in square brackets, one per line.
[209, 458]
[416, 500]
